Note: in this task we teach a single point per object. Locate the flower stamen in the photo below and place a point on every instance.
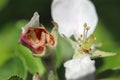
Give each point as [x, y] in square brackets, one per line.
[85, 32]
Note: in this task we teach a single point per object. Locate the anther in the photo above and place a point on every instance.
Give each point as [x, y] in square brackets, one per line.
[80, 38]
[85, 25]
[88, 28]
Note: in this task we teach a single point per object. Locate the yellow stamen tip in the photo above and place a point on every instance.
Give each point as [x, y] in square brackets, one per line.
[88, 27]
[85, 24]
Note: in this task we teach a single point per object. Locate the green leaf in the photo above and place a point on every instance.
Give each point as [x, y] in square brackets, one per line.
[7, 43]
[13, 67]
[9, 37]
[15, 78]
[103, 36]
[33, 64]
[112, 62]
[64, 50]
[3, 3]
[108, 63]
[98, 53]
[111, 78]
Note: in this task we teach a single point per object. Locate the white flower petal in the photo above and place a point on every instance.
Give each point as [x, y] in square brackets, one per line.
[78, 68]
[34, 22]
[72, 14]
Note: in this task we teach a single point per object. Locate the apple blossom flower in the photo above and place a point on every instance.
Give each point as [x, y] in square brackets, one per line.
[71, 16]
[36, 38]
[81, 68]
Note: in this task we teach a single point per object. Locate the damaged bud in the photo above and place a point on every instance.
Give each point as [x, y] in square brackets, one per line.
[36, 37]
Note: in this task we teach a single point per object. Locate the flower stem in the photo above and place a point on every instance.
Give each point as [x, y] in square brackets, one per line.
[49, 62]
[52, 75]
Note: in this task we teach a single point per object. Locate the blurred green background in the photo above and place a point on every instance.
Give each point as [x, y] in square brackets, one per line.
[16, 60]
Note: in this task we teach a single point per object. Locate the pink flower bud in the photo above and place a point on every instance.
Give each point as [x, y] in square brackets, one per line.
[36, 38]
